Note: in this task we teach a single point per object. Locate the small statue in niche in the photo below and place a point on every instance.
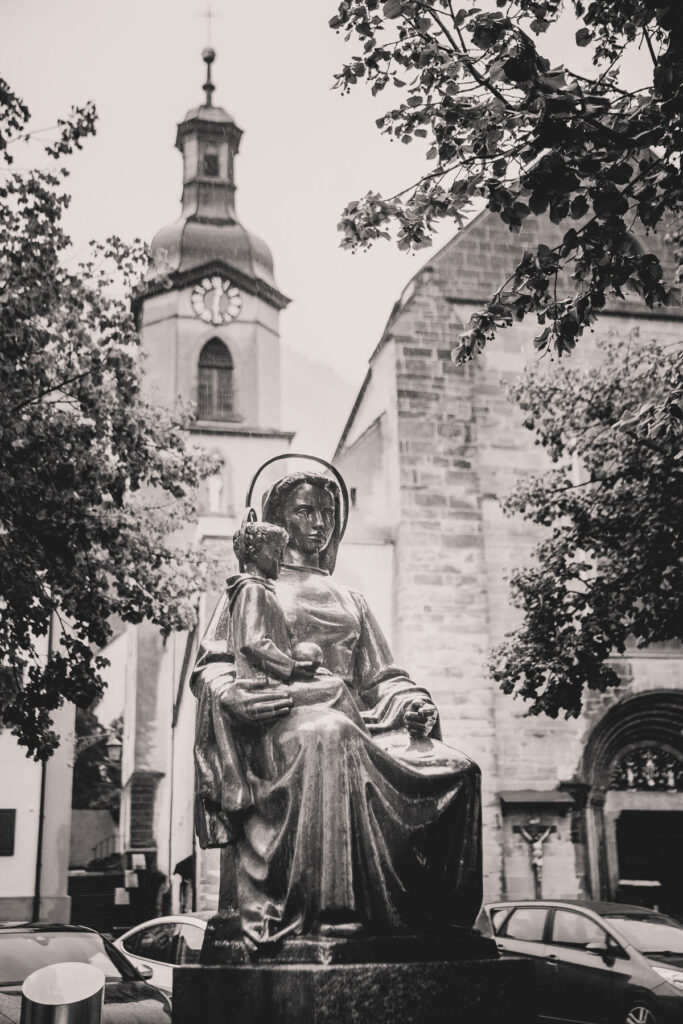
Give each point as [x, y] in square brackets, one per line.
[214, 493]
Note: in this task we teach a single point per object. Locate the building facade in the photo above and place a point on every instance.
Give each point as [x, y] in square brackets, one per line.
[428, 451]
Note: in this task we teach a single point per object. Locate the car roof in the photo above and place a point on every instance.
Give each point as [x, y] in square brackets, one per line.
[198, 917]
[43, 926]
[601, 907]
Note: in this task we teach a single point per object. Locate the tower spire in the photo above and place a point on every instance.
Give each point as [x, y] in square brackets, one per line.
[208, 56]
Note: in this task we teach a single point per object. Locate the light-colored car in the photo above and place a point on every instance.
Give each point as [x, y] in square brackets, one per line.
[164, 943]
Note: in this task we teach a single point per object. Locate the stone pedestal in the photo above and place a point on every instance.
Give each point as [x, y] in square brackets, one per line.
[469, 992]
[453, 977]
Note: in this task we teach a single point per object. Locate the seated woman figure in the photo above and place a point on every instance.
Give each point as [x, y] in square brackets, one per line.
[344, 817]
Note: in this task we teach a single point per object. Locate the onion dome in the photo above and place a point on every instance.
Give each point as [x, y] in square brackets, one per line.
[208, 232]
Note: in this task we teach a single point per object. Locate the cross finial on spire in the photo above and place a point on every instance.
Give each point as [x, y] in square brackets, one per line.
[209, 14]
[208, 56]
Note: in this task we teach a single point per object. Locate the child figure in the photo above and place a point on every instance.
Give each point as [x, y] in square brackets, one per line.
[260, 636]
[262, 647]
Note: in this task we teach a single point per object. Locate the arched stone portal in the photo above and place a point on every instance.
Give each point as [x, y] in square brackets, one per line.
[633, 770]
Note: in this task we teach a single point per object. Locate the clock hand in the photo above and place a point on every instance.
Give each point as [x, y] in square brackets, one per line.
[216, 303]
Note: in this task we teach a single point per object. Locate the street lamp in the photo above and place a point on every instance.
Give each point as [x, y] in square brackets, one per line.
[114, 745]
[114, 748]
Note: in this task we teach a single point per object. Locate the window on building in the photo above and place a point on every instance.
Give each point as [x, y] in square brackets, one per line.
[211, 169]
[7, 824]
[648, 768]
[214, 397]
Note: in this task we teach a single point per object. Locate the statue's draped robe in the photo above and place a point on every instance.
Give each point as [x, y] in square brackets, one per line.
[334, 811]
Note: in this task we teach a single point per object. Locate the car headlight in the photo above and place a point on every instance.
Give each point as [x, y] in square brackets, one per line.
[674, 978]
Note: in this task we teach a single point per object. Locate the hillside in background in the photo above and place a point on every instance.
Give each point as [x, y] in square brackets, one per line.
[316, 402]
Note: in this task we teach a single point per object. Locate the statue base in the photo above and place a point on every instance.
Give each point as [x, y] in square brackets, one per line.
[223, 945]
[453, 977]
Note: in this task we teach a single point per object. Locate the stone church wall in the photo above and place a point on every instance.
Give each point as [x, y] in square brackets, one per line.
[460, 447]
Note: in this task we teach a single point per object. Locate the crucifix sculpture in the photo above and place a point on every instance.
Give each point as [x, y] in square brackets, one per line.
[535, 835]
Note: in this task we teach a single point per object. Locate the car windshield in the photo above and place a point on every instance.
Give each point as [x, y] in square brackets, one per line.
[22, 953]
[649, 934]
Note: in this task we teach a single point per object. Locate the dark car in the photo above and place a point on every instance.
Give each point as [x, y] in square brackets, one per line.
[128, 999]
[596, 963]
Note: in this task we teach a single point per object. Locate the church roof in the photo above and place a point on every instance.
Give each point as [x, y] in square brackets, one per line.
[471, 267]
[480, 258]
[190, 243]
[208, 235]
[212, 115]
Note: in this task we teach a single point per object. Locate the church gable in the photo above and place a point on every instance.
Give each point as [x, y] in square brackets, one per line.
[479, 259]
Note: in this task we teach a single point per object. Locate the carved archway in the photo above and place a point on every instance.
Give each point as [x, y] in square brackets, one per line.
[647, 725]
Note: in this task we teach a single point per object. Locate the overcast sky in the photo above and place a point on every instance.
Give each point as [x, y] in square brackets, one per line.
[306, 149]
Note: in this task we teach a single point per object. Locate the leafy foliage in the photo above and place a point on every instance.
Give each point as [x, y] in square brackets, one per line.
[95, 482]
[503, 126]
[609, 570]
[96, 779]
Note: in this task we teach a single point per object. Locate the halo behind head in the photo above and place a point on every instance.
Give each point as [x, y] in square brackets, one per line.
[342, 519]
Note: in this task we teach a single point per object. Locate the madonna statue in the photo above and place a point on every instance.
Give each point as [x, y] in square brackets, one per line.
[317, 758]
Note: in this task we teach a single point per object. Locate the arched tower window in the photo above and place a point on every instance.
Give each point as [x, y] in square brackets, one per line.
[214, 393]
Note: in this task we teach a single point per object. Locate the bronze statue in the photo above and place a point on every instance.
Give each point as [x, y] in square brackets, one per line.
[316, 756]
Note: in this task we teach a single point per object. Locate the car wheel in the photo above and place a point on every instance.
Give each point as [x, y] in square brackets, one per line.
[640, 1013]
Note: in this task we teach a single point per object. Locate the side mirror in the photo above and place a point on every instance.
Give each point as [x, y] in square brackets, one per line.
[609, 950]
[145, 972]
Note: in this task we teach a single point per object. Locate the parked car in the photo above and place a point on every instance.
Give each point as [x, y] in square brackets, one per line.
[128, 998]
[596, 963]
[164, 943]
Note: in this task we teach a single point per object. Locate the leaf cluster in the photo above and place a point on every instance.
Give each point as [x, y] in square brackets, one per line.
[96, 779]
[96, 483]
[608, 573]
[503, 126]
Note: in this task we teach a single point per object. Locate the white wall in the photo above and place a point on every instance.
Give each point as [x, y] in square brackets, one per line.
[19, 789]
[20, 782]
[369, 568]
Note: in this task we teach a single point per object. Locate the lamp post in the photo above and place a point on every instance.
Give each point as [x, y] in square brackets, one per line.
[114, 748]
[114, 745]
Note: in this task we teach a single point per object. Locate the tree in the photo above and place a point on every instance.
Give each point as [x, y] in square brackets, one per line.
[503, 126]
[97, 779]
[609, 570]
[95, 482]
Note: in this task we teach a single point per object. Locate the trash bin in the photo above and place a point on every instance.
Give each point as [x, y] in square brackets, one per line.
[68, 993]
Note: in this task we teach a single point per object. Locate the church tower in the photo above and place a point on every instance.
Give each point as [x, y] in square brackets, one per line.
[209, 318]
[208, 321]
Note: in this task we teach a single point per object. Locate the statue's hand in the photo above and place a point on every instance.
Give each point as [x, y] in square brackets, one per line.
[420, 716]
[261, 706]
[219, 679]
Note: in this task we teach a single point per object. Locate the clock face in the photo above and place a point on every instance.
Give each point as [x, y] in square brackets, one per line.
[215, 300]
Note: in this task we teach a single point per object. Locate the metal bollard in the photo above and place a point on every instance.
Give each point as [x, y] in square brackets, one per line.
[69, 993]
